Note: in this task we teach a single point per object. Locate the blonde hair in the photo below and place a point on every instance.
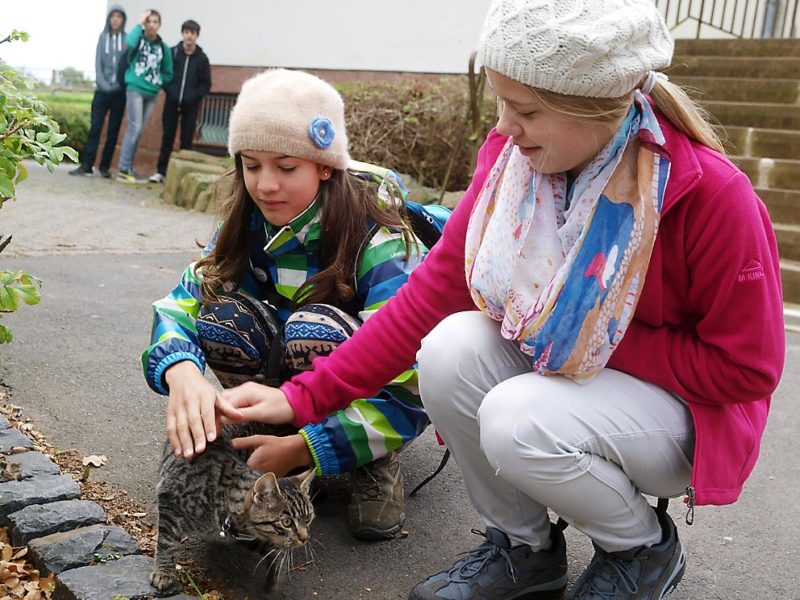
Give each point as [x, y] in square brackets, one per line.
[681, 110]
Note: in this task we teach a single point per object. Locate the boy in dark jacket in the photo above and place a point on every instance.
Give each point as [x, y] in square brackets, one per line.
[190, 83]
[109, 95]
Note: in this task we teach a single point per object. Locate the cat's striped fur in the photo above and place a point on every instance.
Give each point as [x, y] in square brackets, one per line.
[196, 497]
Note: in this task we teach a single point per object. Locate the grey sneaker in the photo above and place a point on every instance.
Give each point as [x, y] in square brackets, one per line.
[377, 506]
[637, 574]
[81, 170]
[156, 178]
[496, 571]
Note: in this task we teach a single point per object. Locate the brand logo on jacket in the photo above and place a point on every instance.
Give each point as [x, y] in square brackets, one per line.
[752, 272]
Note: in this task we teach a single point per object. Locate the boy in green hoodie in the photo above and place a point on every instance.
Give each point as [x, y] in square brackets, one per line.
[149, 69]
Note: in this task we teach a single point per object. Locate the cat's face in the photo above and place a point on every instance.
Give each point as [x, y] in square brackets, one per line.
[280, 510]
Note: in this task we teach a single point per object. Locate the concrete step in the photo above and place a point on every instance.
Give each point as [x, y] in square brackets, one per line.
[741, 89]
[779, 67]
[788, 241]
[751, 142]
[790, 278]
[770, 172]
[783, 205]
[764, 115]
[739, 47]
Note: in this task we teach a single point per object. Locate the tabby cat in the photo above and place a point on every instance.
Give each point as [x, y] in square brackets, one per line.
[216, 494]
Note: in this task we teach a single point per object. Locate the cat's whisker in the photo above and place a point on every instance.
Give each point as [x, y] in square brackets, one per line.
[263, 558]
[282, 564]
[280, 555]
[316, 541]
[310, 558]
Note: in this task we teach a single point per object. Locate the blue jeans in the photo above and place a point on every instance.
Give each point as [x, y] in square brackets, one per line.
[139, 109]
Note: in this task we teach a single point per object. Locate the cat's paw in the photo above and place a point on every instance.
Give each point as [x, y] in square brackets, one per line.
[165, 583]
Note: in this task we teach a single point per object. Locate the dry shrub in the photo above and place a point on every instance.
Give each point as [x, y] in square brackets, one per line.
[418, 128]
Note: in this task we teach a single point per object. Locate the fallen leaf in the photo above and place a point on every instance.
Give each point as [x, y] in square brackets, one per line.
[22, 552]
[95, 460]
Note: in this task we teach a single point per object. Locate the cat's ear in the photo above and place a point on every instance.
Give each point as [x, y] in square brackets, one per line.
[302, 481]
[266, 489]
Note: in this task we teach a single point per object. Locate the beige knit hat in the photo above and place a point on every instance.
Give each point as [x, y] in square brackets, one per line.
[290, 112]
[593, 48]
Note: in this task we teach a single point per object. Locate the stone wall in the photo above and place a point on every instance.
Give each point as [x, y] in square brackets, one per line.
[194, 182]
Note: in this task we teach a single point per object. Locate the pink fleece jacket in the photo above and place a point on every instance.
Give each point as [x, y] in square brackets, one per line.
[708, 326]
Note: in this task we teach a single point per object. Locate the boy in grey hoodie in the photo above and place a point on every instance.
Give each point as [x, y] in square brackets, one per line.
[109, 95]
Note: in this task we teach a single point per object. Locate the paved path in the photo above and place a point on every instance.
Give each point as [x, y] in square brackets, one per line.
[106, 250]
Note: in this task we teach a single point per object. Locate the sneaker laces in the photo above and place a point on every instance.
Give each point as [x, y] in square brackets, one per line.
[367, 486]
[611, 571]
[479, 557]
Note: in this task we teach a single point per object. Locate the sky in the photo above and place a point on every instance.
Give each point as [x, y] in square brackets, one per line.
[63, 33]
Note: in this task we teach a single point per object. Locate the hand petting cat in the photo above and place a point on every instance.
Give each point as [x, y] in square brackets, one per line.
[255, 402]
[277, 454]
[191, 419]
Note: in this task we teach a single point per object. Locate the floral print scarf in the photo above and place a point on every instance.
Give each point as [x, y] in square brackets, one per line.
[563, 279]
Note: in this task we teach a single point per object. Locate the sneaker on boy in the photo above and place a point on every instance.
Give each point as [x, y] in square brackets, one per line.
[80, 170]
[496, 571]
[105, 173]
[377, 505]
[131, 176]
[156, 178]
[642, 573]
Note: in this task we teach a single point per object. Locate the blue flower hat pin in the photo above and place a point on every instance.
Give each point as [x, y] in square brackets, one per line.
[321, 132]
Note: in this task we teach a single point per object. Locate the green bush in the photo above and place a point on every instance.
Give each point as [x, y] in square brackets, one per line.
[73, 111]
[417, 128]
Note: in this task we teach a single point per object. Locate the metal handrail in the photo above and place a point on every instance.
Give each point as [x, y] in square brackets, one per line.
[214, 119]
[737, 18]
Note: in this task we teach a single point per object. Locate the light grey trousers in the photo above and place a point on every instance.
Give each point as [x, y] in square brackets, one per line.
[525, 442]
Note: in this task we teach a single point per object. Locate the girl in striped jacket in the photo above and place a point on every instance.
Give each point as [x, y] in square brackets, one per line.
[305, 251]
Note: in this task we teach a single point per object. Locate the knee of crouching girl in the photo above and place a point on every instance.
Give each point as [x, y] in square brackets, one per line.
[450, 353]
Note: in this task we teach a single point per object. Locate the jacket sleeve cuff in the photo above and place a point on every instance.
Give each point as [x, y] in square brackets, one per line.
[158, 384]
[303, 410]
[321, 450]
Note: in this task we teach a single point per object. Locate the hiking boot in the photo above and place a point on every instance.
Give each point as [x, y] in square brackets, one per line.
[639, 573]
[496, 571]
[156, 178]
[377, 506]
[105, 173]
[80, 170]
[129, 176]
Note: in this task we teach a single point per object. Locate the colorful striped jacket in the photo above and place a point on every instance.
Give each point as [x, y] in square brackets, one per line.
[369, 427]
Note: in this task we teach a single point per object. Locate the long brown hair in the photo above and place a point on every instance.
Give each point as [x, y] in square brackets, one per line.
[349, 205]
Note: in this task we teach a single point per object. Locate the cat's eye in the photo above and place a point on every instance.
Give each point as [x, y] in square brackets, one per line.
[286, 522]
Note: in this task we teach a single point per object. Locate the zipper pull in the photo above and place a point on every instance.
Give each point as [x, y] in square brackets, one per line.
[689, 501]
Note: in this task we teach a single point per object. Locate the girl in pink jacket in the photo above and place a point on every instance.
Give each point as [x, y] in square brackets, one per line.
[628, 332]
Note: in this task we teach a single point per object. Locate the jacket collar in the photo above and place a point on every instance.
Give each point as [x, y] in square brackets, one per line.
[305, 228]
[685, 170]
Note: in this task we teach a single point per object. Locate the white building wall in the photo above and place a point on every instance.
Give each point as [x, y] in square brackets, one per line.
[426, 36]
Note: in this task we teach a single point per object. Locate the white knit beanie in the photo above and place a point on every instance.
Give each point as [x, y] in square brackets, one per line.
[291, 112]
[592, 48]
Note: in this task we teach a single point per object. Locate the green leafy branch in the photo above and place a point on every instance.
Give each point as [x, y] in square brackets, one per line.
[26, 132]
[16, 288]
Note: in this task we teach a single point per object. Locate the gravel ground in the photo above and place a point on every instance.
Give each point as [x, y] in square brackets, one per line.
[56, 214]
